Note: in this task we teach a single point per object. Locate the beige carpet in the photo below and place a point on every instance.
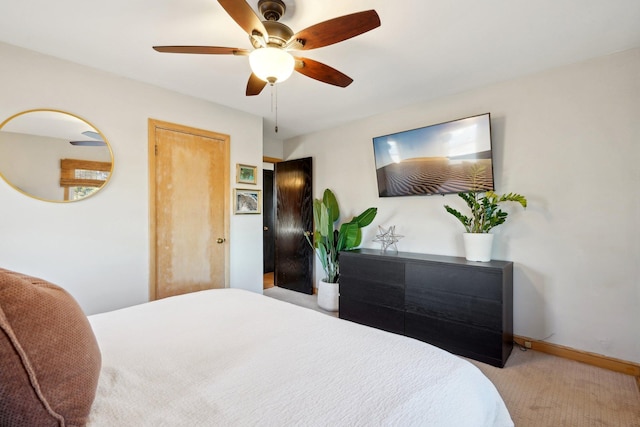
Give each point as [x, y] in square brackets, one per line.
[297, 298]
[545, 390]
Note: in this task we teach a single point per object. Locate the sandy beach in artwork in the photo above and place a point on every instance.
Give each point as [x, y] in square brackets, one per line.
[433, 175]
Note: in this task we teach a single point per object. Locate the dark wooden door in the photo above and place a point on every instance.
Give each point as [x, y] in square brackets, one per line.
[268, 221]
[294, 216]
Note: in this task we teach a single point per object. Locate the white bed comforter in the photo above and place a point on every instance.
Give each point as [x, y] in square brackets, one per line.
[234, 358]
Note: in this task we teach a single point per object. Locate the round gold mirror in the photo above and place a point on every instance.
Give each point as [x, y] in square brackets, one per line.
[54, 156]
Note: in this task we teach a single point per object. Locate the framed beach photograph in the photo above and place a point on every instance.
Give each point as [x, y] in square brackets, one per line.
[246, 201]
[246, 174]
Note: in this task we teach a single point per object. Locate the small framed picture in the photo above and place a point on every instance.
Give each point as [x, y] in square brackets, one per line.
[246, 174]
[246, 201]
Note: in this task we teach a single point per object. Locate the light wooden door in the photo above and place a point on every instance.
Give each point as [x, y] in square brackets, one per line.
[189, 180]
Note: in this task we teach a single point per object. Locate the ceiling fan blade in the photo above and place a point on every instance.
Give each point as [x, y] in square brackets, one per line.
[255, 85]
[336, 30]
[92, 134]
[207, 50]
[321, 72]
[241, 12]
[96, 143]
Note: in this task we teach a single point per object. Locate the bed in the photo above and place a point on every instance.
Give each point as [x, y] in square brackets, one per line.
[224, 357]
[235, 358]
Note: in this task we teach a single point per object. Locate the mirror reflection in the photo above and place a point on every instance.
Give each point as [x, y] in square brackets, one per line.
[53, 155]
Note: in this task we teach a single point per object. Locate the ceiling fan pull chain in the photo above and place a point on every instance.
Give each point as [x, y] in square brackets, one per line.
[276, 89]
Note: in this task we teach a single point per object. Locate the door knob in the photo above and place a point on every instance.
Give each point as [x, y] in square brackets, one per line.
[266, 228]
[220, 240]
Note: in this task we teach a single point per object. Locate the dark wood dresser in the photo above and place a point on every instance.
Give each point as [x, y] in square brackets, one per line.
[461, 306]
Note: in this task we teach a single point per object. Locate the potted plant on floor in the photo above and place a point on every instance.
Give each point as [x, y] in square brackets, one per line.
[328, 241]
[485, 215]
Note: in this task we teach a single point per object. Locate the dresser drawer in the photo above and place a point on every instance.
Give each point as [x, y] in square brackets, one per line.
[480, 312]
[479, 282]
[386, 294]
[457, 338]
[372, 280]
[371, 269]
[385, 318]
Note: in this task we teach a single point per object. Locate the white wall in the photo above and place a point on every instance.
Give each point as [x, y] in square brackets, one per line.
[569, 140]
[273, 148]
[98, 249]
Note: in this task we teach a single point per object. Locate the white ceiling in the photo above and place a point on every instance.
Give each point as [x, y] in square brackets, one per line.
[423, 50]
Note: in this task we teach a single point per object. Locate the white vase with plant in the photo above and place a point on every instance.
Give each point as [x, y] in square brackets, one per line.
[328, 241]
[485, 215]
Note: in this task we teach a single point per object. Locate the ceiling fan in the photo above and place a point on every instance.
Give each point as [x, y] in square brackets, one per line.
[270, 60]
[97, 140]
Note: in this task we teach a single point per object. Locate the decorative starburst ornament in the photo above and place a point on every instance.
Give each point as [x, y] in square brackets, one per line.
[388, 238]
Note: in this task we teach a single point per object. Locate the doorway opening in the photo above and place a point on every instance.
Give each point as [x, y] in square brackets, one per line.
[268, 222]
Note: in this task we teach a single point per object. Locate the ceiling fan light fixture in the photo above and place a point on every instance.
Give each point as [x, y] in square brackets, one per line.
[271, 64]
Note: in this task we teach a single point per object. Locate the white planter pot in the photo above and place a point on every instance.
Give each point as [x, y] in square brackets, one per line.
[477, 246]
[328, 294]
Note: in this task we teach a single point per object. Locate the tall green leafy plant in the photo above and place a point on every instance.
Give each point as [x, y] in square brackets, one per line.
[328, 240]
[485, 212]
